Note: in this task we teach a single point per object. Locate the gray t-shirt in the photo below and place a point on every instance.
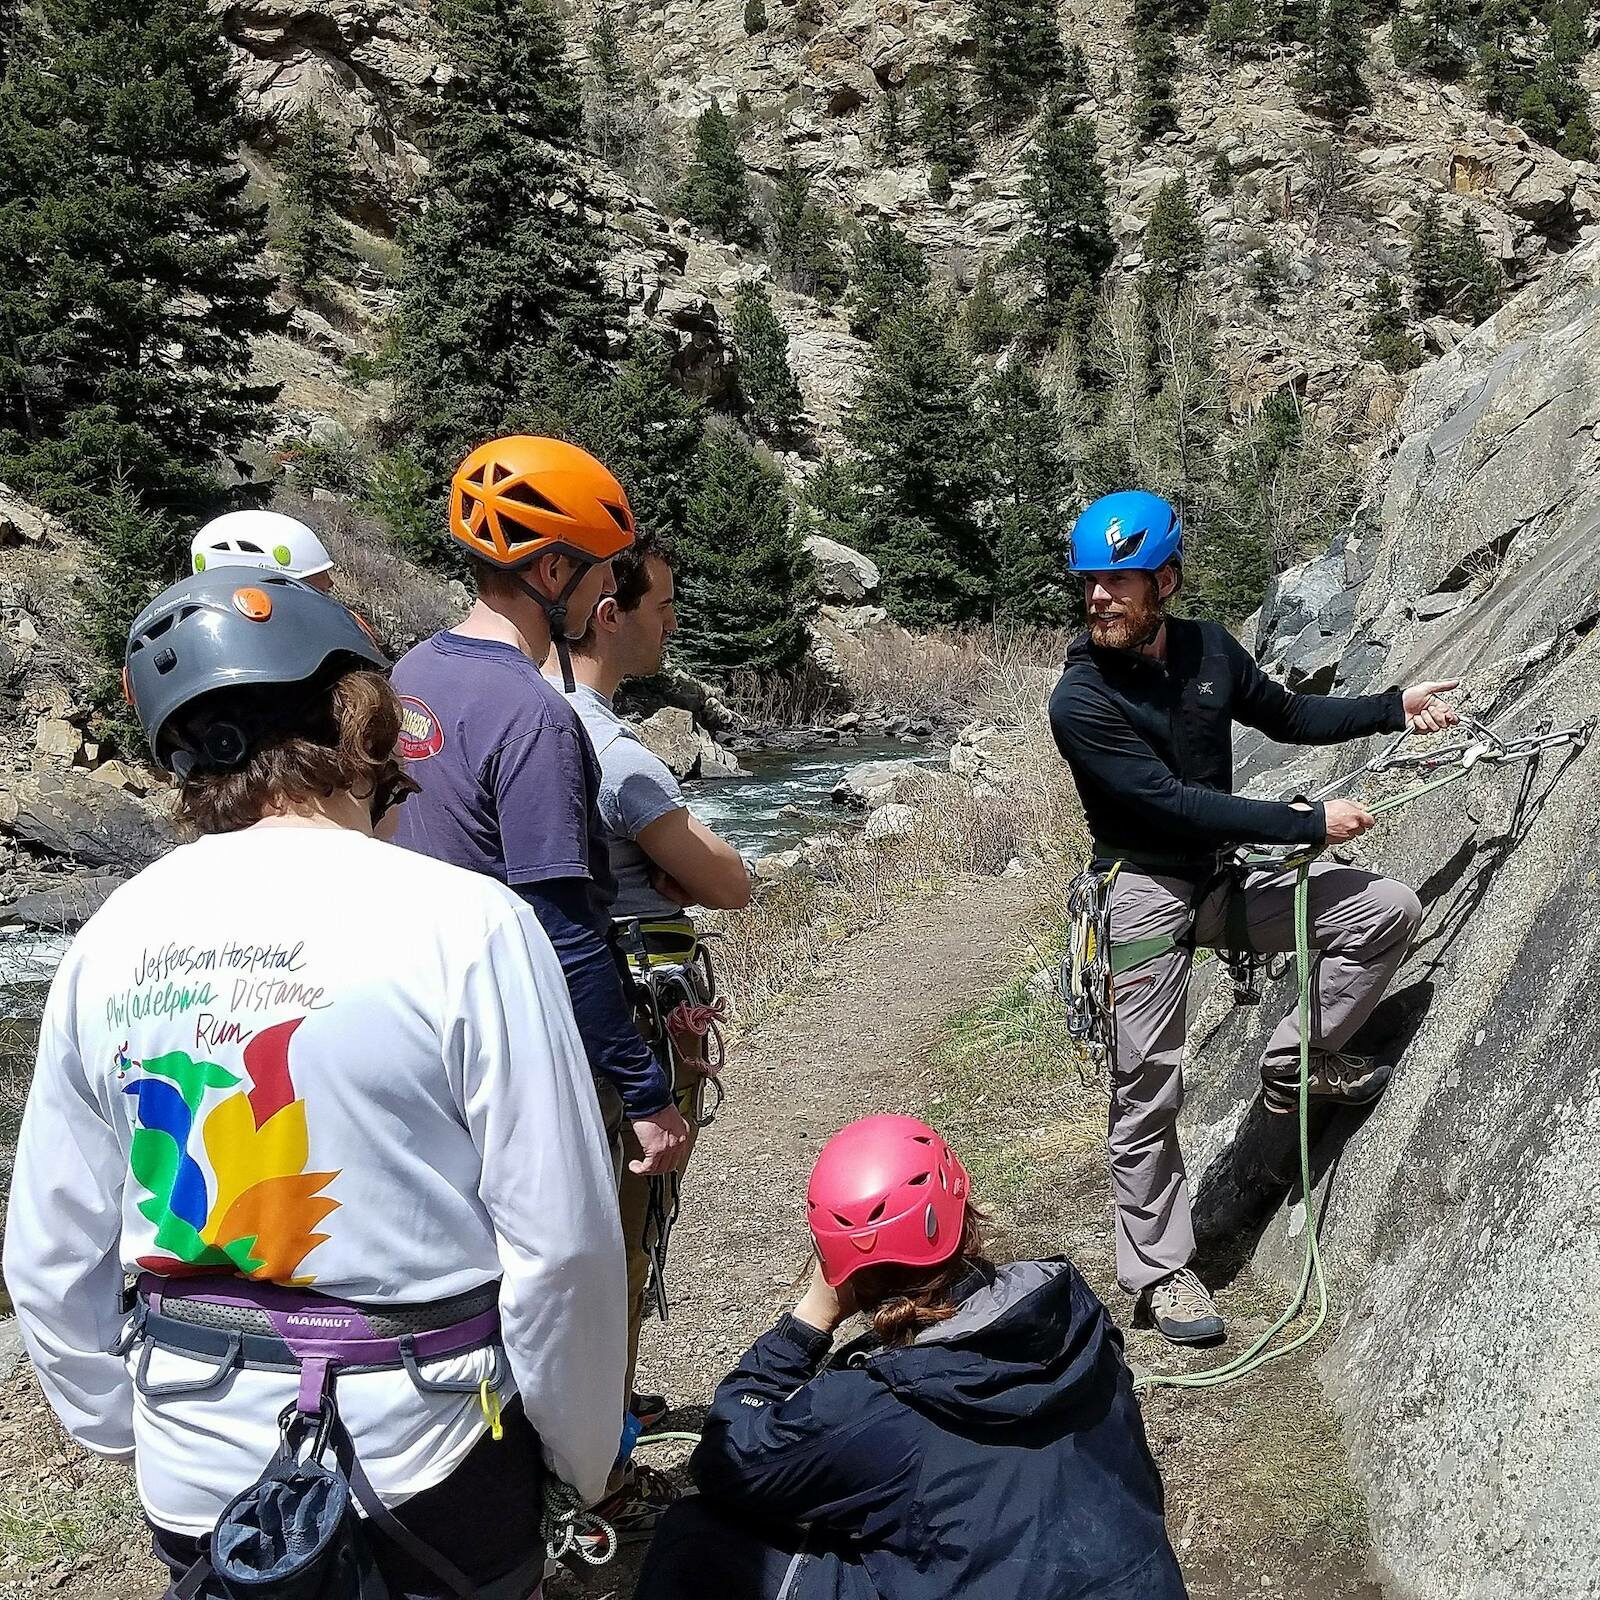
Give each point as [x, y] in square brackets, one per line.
[636, 789]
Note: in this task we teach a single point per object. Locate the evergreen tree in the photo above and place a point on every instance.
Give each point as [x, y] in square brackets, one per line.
[886, 269]
[891, 129]
[1069, 246]
[1074, 76]
[1430, 270]
[716, 191]
[1552, 104]
[1476, 294]
[489, 311]
[1029, 486]
[1405, 40]
[804, 244]
[606, 59]
[1438, 47]
[743, 576]
[1019, 56]
[1174, 241]
[942, 123]
[831, 504]
[919, 461]
[755, 16]
[1155, 111]
[767, 386]
[131, 283]
[987, 323]
[1289, 21]
[317, 187]
[939, 186]
[1221, 175]
[1331, 76]
[1234, 28]
[1388, 338]
[10, 21]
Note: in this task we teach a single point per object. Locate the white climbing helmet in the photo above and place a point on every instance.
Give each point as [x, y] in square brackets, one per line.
[259, 539]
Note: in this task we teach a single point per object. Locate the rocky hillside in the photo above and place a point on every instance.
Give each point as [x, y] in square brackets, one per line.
[1460, 1217]
[1312, 215]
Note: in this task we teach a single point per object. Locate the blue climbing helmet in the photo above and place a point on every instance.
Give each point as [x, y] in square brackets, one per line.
[1130, 531]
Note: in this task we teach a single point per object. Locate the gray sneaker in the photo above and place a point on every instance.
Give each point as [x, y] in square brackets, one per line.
[1337, 1075]
[1182, 1309]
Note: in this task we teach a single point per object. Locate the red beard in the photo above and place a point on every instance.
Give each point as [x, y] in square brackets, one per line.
[1138, 624]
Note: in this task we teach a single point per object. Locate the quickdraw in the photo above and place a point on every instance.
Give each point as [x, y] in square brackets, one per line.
[682, 1014]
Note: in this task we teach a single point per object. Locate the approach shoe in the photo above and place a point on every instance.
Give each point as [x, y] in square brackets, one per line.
[650, 1409]
[632, 1512]
[1182, 1309]
[1337, 1075]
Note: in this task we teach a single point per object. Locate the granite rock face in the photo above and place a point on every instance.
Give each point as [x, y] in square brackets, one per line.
[1461, 1215]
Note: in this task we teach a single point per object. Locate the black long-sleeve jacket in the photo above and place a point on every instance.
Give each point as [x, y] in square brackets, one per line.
[1150, 744]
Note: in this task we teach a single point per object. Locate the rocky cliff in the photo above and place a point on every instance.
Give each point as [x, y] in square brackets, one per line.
[1461, 1216]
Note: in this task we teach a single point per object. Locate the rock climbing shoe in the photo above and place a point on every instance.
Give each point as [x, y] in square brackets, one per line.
[1182, 1310]
[633, 1511]
[650, 1409]
[1336, 1075]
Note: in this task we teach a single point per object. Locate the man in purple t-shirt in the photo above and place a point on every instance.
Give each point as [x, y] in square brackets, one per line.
[509, 781]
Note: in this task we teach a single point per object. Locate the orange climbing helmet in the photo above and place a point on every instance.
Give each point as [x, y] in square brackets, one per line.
[514, 499]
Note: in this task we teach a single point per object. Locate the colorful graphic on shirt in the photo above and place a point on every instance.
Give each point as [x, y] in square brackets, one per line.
[421, 735]
[250, 1207]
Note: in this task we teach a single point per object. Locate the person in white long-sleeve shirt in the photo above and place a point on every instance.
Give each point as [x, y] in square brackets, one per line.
[294, 1054]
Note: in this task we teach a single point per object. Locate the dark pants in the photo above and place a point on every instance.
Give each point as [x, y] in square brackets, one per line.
[484, 1518]
[699, 1551]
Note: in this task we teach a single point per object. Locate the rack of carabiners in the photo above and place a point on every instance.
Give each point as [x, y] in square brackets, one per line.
[681, 1013]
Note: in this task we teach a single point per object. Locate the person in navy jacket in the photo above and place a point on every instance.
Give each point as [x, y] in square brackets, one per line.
[982, 1441]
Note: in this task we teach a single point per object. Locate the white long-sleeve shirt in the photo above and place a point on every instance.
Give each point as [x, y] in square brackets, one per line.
[302, 1055]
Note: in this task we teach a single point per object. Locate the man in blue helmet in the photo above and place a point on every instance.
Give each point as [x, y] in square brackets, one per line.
[1144, 715]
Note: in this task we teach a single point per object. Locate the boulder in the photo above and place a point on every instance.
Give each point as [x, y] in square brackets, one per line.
[672, 735]
[64, 814]
[1458, 1218]
[872, 784]
[63, 906]
[715, 761]
[843, 574]
[55, 737]
[22, 523]
[892, 821]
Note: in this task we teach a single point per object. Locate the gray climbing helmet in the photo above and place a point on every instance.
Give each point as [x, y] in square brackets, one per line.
[232, 629]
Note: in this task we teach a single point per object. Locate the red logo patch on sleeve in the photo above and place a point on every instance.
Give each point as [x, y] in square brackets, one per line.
[420, 733]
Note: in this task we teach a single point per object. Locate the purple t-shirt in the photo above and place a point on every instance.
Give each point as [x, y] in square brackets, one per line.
[509, 778]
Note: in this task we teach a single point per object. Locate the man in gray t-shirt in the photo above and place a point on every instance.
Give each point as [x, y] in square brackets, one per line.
[663, 857]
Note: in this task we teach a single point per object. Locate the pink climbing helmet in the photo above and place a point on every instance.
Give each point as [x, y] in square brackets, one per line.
[886, 1191]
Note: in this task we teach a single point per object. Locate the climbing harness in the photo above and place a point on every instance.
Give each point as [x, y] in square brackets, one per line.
[1486, 747]
[681, 1014]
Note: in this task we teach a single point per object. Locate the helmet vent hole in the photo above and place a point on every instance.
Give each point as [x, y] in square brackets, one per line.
[917, 1182]
[524, 494]
[844, 1222]
[920, 1138]
[877, 1211]
[498, 474]
[619, 516]
[1123, 549]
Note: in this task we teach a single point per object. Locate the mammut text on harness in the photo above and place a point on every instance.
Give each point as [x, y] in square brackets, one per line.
[1093, 963]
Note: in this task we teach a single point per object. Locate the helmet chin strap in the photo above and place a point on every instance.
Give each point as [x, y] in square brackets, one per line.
[555, 614]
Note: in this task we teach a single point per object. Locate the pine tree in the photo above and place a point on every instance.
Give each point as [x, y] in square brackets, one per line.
[743, 576]
[1074, 76]
[488, 312]
[1069, 246]
[1440, 50]
[131, 279]
[1155, 111]
[1331, 76]
[942, 123]
[831, 504]
[987, 322]
[767, 386]
[606, 58]
[755, 16]
[891, 129]
[1234, 28]
[1388, 338]
[317, 187]
[919, 461]
[1174, 241]
[10, 21]
[1430, 269]
[716, 191]
[1221, 175]
[939, 186]
[1289, 21]
[886, 269]
[1029, 487]
[804, 243]
[1019, 56]
[1476, 293]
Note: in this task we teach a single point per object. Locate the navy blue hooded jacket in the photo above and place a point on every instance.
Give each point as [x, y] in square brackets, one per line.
[1000, 1455]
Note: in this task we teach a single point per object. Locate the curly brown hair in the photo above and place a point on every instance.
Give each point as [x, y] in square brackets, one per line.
[899, 1302]
[333, 734]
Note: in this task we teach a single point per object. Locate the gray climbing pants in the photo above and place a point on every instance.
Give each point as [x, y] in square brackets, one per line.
[1360, 927]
